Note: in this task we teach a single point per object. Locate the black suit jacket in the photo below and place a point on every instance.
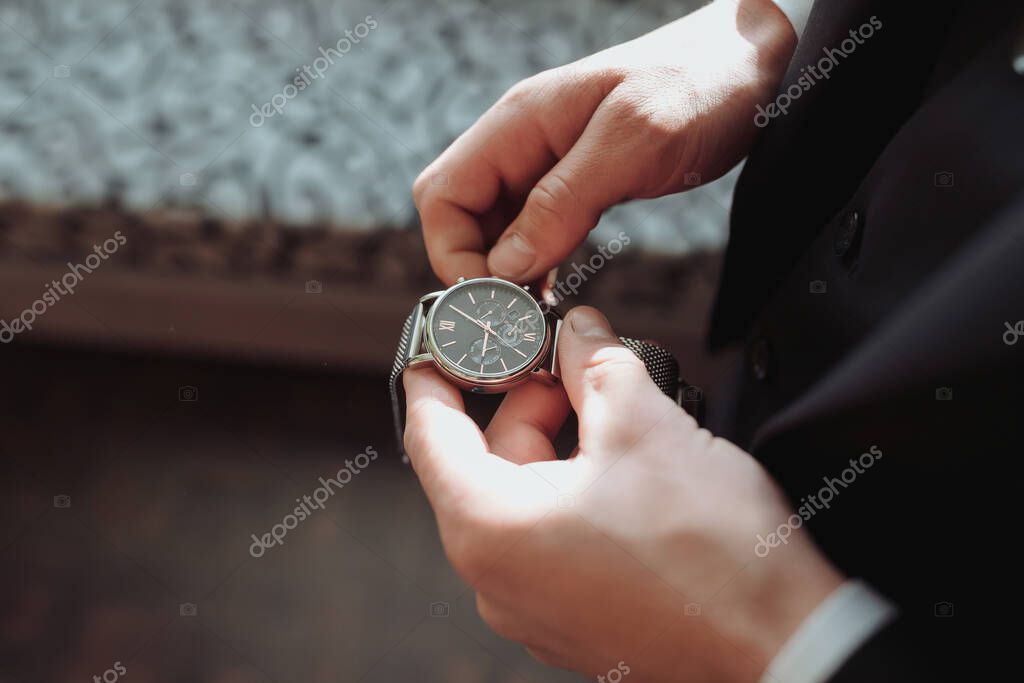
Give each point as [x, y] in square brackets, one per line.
[876, 254]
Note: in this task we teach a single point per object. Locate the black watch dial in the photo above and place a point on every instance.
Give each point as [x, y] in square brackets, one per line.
[487, 328]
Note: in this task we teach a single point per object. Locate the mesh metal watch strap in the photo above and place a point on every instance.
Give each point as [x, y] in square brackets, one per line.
[663, 368]
[661, 365]
[402, 356]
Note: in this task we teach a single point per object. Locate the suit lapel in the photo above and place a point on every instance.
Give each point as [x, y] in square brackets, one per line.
[953, 326]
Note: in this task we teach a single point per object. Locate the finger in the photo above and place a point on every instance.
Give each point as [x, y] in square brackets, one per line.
[509, 148]
[527, 422]
[503, 150]
[607, 384]
[564, 205]
[444, 445]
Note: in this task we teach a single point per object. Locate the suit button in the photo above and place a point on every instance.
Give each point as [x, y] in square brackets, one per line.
[849, 229]
[760, 359]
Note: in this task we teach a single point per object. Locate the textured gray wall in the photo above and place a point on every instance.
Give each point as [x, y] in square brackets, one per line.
[151, 102]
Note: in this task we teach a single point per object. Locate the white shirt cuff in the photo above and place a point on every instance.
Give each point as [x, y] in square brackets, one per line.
[836, 629]
[797, 12]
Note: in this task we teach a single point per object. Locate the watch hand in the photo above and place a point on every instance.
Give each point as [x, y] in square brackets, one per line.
[498, 337]
[483, 351]
[488, 328]
[469, 318]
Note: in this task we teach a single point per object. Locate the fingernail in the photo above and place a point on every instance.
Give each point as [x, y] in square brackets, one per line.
[512, 256]
[590, 322]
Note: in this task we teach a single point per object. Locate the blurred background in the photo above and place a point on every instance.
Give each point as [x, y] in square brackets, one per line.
[233, 348]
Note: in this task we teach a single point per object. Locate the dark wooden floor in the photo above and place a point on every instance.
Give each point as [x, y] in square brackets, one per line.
[163, 496]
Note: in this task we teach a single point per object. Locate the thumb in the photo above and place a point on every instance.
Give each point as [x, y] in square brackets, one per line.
[560, 210]
[447, 450]
[616, 400]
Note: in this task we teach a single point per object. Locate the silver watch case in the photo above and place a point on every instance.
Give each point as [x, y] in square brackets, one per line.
[544, 367]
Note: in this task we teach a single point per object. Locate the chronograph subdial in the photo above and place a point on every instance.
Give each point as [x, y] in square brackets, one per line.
[491, 311]
[510, 334]
[484, 356]
[531, 321]
[519, 328]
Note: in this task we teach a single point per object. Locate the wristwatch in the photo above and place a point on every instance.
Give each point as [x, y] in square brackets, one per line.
[488, 335]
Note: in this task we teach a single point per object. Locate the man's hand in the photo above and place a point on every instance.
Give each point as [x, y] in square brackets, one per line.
[642, 119]
[640, 549]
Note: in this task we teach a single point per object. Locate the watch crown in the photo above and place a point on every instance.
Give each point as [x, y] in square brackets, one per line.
[461, 279]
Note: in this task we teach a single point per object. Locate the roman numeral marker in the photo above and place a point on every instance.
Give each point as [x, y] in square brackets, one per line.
[446, 326]
[530, 336]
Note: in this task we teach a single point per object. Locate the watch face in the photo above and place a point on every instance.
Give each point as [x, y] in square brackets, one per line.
[487, 328]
